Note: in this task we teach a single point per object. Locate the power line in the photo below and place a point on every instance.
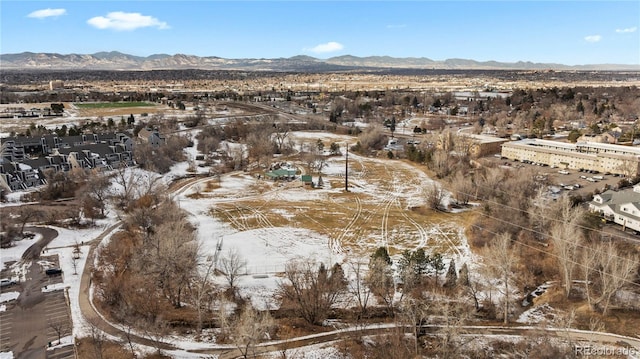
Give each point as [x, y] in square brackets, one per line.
[541, 216]
[556, 256]
[544, 251]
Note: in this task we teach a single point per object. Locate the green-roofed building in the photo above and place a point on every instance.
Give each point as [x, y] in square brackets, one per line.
[281, 174]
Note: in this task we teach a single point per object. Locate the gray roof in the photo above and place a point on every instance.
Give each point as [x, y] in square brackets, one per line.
[619, 197]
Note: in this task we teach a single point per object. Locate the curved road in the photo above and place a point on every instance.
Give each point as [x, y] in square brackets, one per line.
[33, 252]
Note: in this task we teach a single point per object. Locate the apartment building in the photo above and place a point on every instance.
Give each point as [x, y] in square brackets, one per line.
[24, 160]
[602, 157]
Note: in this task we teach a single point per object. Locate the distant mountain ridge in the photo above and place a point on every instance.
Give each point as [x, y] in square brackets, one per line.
[114, 60]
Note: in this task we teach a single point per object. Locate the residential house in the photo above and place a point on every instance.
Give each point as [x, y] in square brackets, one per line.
[621, 207]
[151, 136]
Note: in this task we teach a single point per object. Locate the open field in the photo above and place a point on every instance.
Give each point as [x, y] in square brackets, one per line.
[105, 109]
[384, 207]
[112, 104]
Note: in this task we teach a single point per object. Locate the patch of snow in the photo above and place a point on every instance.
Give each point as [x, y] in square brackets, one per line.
[64, 341]
[326, 350]
[14, 254]
[8, 296]
[53, 287]
[541, 289]
[538, 314]
[3, 308]
[6, 355]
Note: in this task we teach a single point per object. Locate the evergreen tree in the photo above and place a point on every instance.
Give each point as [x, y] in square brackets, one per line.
[383, 254]
[464, 275]
[452, 275]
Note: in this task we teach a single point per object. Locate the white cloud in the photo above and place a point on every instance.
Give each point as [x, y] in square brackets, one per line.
[41, 14]
[331, 46]
[593, 38]
[123, 21]
[627, 30]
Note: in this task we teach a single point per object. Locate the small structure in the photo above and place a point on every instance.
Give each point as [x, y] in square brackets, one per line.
[393, 145]
[151, 136]
[307, 180]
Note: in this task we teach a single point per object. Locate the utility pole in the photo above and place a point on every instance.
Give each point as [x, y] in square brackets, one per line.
[346, 170]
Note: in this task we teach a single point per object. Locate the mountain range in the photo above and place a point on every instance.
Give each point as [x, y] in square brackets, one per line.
[119, 61]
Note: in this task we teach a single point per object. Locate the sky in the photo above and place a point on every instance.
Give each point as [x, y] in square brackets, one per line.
[565, 32]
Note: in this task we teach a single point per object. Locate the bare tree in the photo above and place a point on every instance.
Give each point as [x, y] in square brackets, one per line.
[357, 286]
[27, 214]
[313, 292]
[156, 330]
[415, 312]
[463, 146]
[250, 328]
[380, 280]
[450, 335]
[260, 146]
[462, 188]
[61, 327]
[98, 338]
[566, 239]
[203, 288]
[126, 179]
[613, 270]
[232, 266]
[434, 195]
[280, 137]
[372, 138]
[172, 258]
[441, 163]
[98, 187]
[503, 260]
[469, 286]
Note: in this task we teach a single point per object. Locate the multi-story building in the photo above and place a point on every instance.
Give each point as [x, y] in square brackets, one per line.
[24, 160]
[602, 157]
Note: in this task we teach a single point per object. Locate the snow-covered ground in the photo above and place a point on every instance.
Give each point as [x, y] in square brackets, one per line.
[14, 254]
[267, 248]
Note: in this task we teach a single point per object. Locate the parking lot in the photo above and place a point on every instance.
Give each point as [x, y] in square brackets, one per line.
[39, 316]
[564, 181]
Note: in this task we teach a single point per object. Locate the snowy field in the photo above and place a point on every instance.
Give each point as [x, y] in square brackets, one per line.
[272, 223]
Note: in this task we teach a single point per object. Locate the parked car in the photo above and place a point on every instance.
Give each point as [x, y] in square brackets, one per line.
[53, 271]
[563, 172]
[6, 282]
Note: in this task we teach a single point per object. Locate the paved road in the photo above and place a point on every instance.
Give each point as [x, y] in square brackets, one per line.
[33, 252]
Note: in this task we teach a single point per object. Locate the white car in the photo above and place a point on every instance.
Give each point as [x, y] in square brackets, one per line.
[5, 282]
[563, 172]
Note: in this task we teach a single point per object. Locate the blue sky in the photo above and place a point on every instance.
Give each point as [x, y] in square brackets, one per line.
[567, 32]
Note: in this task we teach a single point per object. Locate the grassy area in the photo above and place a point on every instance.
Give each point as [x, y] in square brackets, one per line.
[375, 213]
[92, 105]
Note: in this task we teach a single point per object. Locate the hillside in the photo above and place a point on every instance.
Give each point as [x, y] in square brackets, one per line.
[119, 61]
